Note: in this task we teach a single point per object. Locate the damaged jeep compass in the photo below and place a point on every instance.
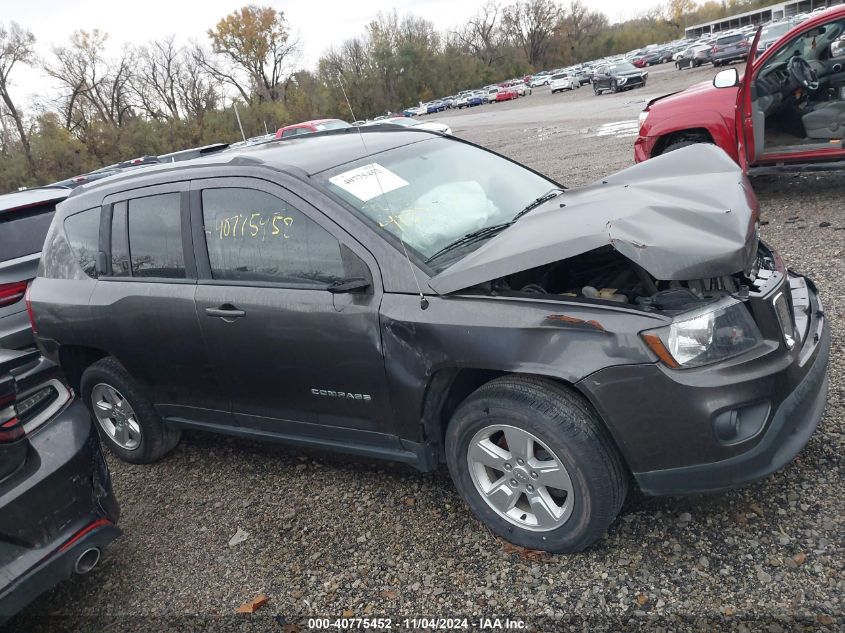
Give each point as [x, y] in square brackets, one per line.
[403, 295]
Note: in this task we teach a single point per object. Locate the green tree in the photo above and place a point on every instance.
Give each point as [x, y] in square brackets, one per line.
[256, 49]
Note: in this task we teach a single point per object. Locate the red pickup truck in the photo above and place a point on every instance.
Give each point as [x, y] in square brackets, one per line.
[788, 108]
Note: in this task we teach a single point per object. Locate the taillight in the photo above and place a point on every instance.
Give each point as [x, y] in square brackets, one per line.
[12, 293]
[29, 311]
[21, 414]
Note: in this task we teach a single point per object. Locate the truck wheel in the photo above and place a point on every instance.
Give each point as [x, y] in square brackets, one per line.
[535, 464]
[125, 417]
[614, 88]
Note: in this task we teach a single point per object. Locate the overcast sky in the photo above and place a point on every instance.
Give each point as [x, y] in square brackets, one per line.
[319, 23]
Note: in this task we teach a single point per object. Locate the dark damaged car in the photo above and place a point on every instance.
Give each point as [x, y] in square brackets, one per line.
[401, 295]
[57, 510]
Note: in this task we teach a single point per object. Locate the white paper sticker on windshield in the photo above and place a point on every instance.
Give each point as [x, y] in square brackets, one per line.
[368, 182]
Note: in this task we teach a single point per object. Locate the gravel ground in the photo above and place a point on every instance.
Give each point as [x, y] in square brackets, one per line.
[335, 536]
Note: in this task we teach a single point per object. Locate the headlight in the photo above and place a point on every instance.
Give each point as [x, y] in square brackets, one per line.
[643, 117]
[621, 80]
[707, 336]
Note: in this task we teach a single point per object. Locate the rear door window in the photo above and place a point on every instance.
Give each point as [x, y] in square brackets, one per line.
[155, 236]
[83, 234]
[255, 236]
[23, 232]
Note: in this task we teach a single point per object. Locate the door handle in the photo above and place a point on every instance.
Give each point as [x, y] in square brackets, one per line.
[226, 311]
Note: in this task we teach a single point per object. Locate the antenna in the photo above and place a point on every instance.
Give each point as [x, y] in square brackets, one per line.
[423, 300]
[238, 117]
[265, 127]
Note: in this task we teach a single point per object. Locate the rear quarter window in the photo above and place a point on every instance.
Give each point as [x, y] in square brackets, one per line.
[23, 232]
[83, 235]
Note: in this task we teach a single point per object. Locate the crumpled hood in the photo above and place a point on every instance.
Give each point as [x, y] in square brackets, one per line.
[689, 214]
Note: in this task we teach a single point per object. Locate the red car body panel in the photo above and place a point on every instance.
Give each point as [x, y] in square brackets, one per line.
[308, 125]
[506, 94]
[720, 112]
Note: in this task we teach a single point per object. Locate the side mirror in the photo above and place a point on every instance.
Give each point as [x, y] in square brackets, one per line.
[727, 78]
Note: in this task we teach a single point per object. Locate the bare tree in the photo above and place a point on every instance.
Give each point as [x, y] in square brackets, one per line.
[155, 82]
[482, 35]
[196, 89]
[531, 25]
[204, 60]
[94, 87]
[580, 26]
[16, 45]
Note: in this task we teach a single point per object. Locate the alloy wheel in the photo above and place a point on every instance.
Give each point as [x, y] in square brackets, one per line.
[115, 416]
[520, 478]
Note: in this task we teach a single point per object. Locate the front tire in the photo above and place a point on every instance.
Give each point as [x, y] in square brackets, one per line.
[125, 417]
[535, 464]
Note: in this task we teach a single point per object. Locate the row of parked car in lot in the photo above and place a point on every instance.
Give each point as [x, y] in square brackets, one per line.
[310, 239]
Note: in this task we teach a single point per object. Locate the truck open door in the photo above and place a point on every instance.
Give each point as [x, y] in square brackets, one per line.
[745, 124]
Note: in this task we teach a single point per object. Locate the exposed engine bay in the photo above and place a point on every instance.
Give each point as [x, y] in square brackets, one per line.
[605, 275]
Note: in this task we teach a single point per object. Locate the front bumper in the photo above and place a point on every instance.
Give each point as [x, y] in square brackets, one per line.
[663, 420]
[643, 147]
[57, 506]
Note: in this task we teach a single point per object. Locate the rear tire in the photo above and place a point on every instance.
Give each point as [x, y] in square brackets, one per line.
[151, 438]
[575, 498]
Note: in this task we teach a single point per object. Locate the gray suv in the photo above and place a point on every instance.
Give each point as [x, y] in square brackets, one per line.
[729, 48]
[402, 295]
[25, 217]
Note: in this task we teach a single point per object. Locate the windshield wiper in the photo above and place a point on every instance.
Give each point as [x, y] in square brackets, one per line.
[549, 195]
[489, 231]
[469, 238]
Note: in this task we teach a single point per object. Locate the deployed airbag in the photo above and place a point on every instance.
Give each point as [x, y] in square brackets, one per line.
[689, 214]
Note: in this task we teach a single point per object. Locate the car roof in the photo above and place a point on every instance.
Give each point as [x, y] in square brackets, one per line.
[32, 197]
[304, 155]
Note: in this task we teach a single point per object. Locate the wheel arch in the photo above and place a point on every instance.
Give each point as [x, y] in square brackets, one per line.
[709, 124]
[449, 387]
[691, 134]
[75, 359]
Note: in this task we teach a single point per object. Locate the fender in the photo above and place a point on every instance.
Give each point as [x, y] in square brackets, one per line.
[722, 130]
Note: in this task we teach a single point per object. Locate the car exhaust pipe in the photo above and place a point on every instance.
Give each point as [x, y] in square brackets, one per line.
[87, 560]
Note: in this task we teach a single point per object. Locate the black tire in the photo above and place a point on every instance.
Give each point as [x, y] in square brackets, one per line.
[566, 423]
[596, 90]
[685, 142]
[157, 439]
[614, 88]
